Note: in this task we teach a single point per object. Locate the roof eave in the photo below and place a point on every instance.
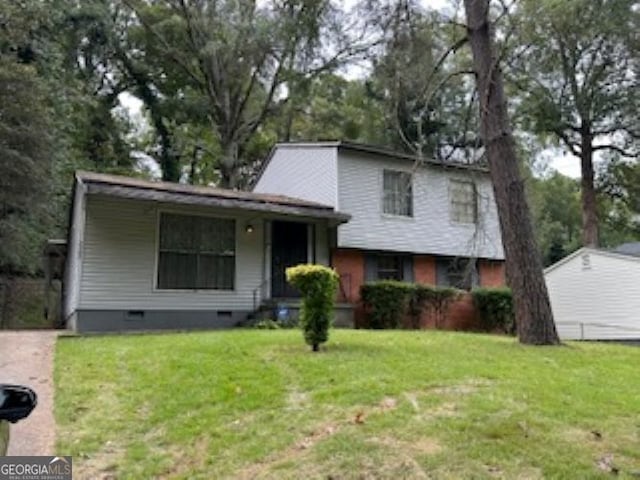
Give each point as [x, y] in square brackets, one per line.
[133, 193]
[381, 151]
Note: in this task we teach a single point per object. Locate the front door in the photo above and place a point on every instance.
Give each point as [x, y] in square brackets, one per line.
[289, 245]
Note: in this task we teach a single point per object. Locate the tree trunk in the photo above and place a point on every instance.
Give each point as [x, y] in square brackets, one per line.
[588, 192]
[534, 318]
[169, 162]
[229, 164]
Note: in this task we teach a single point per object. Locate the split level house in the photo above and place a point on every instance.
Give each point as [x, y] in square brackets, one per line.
[147, 255]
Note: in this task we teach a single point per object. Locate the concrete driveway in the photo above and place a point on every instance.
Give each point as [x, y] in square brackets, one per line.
[26, 358]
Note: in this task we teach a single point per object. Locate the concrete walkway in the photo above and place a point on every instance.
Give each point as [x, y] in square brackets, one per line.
[26, 358]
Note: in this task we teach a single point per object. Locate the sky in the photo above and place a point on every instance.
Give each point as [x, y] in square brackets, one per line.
[564, 163]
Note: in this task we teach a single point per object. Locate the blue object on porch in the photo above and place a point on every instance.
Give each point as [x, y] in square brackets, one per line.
[282, 313]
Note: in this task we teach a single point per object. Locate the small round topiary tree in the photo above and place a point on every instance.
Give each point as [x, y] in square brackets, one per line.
[318, 285]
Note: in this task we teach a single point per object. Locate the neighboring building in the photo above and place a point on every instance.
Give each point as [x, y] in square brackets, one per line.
[630, 248]
[412, 220]
[595, 295]
[145, 255]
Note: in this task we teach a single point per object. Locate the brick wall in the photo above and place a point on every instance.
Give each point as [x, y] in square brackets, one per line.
[350, 266]
[424, 269]
[491, 273]
[461, 314]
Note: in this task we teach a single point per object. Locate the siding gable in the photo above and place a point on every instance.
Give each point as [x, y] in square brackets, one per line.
[430, 230]
[301, 171]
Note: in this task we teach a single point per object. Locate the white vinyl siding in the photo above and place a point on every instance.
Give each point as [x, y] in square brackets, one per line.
[299, 171]
[120, 252]
[430, 230]
[595, 295]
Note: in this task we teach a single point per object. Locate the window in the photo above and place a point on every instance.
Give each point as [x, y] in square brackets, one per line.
[196, 253]
[396, 193]
[464, 207]
[457, 272]
[390, 267]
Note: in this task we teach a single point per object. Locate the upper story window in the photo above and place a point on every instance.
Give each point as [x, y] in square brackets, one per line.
[397, 196]
[196, 253]
[464, 201]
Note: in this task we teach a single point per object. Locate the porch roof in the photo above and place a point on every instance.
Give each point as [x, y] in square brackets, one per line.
[139, 189]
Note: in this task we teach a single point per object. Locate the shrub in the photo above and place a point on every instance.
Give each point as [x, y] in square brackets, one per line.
[386, 302]
[438, 300]
[266, 324]
[418, 297]
[495, 306]
[318, 285]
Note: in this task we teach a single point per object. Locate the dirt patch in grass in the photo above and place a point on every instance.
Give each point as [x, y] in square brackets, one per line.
[292, 453]
[300, 448]
[190, 459]
[424, 445]
[465, 388]
[402, 462]
[297, 400]
[102, 465]
[574, 434]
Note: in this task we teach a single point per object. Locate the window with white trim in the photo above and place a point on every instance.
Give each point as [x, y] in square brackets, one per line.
[397, 196]
[464, 201]
[196, 253]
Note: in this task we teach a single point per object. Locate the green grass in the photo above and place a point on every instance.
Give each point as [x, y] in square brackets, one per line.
[385, 404]
[4, 437]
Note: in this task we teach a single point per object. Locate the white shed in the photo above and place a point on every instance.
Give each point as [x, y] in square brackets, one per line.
[595, 295]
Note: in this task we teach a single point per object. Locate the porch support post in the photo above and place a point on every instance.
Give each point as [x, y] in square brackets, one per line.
[266, 281]
[311, 243]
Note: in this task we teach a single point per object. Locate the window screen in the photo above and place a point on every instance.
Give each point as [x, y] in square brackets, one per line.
[463, 201]
[196, 253]
[397, 193]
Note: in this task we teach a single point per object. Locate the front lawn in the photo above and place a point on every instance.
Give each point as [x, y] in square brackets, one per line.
[373, 404]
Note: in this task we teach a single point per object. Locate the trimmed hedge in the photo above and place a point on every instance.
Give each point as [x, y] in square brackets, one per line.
[387, 301]
[495, 306]
[318, 285]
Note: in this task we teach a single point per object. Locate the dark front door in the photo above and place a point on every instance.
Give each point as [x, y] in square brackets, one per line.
[288, 248]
